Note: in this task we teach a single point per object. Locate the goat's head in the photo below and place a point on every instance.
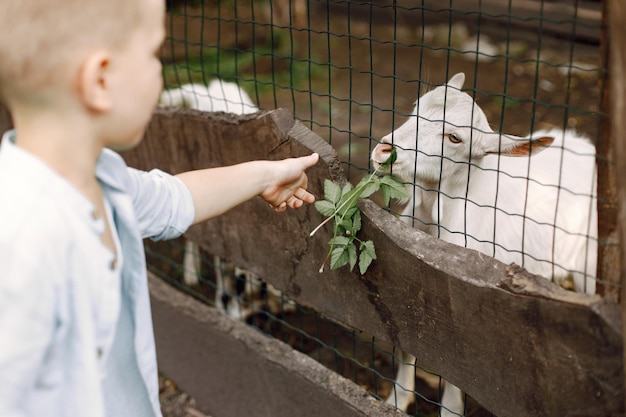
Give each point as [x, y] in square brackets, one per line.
[446, 131]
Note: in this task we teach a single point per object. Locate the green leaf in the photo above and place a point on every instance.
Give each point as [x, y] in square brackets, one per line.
[392, 188]
[341, 205]
[339, 257]
[367, 247]
[368, 254]
[349, 199]
[352, 256]
[397, 188]
[351, 225]
[392, 158]
[364, 263]
[356, 222]
[332, 191]
[347, 224]
[370, 188]
[340, 241]
[325, 207]
[384, 191]
[346, 189]
[350, 211]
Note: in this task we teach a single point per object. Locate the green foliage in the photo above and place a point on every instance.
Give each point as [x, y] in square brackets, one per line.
[340, 204]
[271, 63]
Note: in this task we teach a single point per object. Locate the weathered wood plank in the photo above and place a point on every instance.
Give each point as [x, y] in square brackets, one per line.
[518, 344]
[232, 370]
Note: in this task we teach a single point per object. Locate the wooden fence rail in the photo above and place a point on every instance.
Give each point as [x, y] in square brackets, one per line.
[520, 345]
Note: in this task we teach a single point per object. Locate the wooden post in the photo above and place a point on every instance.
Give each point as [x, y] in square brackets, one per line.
[609, 255]
[615, 12]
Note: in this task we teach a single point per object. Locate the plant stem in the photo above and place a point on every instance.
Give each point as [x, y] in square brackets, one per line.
[319, 226]
[338, 209]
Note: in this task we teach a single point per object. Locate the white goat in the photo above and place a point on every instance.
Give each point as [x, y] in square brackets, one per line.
[219, 95]
[473, 187]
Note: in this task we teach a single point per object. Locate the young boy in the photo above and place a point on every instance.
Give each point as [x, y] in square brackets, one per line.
[80, 78]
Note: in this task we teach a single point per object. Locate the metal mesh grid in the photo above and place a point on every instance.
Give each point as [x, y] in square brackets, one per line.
[352, 68]
[352, 72]
[368, 362]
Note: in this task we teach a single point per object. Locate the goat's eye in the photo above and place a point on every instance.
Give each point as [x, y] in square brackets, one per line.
[453, 137]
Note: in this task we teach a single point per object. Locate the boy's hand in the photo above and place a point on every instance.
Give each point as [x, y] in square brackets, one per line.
[288, 183]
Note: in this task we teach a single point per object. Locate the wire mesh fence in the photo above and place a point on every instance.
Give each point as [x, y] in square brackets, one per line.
[368, 362]
[352, 71]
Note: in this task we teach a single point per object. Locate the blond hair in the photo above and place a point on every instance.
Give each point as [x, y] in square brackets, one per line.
[40, 39]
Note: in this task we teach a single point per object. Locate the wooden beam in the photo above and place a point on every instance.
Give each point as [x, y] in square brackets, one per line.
[517, 343]
[609, 256]
[616, 90]
[232, 370]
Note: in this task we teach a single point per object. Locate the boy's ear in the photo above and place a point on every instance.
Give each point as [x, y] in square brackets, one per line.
[94, 81]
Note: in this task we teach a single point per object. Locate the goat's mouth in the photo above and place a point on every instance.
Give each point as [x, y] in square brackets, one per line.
[384, 160]
[381, 167]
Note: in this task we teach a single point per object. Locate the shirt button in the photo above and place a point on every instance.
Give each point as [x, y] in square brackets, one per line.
[99, 352]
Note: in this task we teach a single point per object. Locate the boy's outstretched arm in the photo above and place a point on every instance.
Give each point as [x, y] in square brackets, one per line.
[281, 183]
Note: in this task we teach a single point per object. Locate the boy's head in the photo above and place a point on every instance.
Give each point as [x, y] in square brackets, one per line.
[52, 48]
[41, 39]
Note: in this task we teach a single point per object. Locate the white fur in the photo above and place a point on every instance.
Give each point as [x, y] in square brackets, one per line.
[537, 211]
[219, 95]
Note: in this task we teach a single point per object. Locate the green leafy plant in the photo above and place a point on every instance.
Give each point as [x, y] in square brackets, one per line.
[340, 204]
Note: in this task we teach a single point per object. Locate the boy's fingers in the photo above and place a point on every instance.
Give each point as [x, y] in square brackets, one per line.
[304, 195]
[294, 203]
[310, 160]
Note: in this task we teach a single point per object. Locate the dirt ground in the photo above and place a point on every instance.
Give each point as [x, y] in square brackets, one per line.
[356, 84]
[176, 403]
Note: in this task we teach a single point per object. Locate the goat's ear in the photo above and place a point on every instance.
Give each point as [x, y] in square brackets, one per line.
[457, 80]
[512, 146]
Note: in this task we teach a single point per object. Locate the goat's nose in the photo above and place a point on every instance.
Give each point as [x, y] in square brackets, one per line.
[384, 148]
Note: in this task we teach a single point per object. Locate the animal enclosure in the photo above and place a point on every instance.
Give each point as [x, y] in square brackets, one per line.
[336, 77]
[351, 72]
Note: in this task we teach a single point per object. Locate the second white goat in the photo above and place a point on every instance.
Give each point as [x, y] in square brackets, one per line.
[478, 188]
[219, 95]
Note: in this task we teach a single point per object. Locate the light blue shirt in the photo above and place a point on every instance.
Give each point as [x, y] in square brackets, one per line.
[76, 337]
